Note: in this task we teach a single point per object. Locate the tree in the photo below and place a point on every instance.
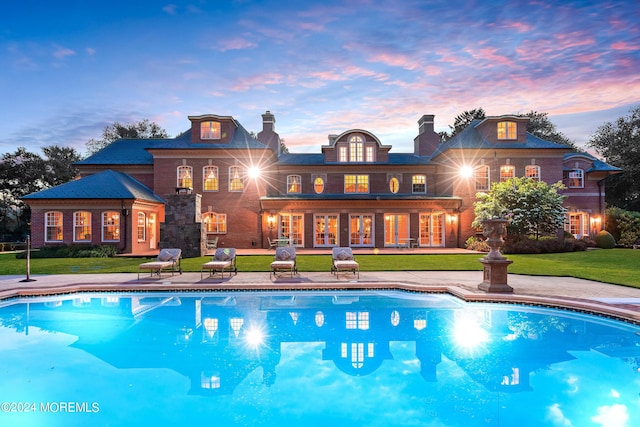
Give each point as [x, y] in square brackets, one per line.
[533, 207]
[463, 120]
[137, 130]
[619, 144]
[59, 164]
[540, 126]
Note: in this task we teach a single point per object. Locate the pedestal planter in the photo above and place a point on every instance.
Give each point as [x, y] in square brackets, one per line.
[495, 264]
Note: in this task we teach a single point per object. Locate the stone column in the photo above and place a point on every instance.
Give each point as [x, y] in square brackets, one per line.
[182, 227]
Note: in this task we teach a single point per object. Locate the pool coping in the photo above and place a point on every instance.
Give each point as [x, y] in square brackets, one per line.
[590, 306]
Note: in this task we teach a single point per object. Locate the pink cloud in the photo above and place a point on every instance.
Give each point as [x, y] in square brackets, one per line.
[63, 52]
[395, 60]
[235, 44]
[624, 46]
[257, 81]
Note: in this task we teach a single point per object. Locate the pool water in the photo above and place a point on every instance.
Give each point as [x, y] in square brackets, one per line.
[311, 359]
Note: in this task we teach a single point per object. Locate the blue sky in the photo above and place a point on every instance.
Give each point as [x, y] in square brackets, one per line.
[70, 68]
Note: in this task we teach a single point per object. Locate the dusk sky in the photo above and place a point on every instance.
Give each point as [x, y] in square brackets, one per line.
[70, 68]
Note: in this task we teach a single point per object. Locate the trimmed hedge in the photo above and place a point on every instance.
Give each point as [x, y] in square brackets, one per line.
[72, 251]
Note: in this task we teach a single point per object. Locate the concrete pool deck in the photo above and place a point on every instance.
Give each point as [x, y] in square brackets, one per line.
[566, 292]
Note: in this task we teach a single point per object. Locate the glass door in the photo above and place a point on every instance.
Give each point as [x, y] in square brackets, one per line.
[326, 230]
[291, 229]
[396, 230]
[361, 230]
[432, 229]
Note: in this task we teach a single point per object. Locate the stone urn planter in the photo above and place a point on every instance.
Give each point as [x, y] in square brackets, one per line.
[495, 264]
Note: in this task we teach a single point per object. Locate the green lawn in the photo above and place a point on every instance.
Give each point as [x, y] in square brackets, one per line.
[617, 266]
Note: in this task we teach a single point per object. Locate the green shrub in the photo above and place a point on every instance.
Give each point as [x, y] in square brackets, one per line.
[72, 251]
[474, 243]
[605, 240]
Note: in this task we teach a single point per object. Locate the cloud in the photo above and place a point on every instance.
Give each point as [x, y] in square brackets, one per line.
[557, 418]
[63, 52]
[236, 43]
[169, 9]
[612, 416]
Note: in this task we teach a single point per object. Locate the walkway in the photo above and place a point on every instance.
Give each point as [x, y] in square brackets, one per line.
[576, 294]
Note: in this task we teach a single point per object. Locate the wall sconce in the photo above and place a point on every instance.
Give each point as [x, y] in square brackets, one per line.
[271, 222]
[452, 218]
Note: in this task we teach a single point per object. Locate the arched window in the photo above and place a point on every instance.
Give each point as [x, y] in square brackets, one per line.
[507, 172]
[53, 226]
[82, 226]
[210, 176]
[356, 148]
[236, 179]
[185, 177]
[482, 178]
[532, 171]
[110, 226]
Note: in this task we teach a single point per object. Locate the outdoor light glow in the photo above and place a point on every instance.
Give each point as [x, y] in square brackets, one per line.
[466, 171]
[254, 172]
[468, 334]
[254, 337]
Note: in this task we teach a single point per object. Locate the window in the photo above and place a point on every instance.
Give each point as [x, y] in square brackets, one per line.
[370, 154]
[507, 130]
[357, 320]
[342, 154]
[210, 130]
[210, 176]
[533, 172]
[576, 178]
[110, 226]
[236, 179]
[82, 226]
[482, 178]
[394, 185]
[294, 184]
[142, 227]
[419, 184]
[578, 225]
[185, 177]
[356, 183]
[53, 227]
[356, 145]
[507, 172]
[215, 222]
[318, 185]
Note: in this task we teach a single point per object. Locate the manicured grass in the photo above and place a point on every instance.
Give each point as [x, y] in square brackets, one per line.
[617, 266]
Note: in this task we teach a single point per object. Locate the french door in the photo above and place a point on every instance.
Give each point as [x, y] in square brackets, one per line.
[361, 230]
[326, 231]
[432, 229]
[396, 230]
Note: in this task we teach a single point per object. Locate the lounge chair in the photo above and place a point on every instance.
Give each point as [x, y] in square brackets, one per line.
[284, 260]
[212, 243]
[167, 259]
[272, 243]
[343, 260]
[223, 260]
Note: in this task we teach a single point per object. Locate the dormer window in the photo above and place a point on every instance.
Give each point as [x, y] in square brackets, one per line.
[507, 130]
[356, 147]
[210, 130]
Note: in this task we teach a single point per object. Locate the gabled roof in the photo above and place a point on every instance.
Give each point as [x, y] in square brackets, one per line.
[136, 151]
[470, 138]
[597, 165]
[108, 184]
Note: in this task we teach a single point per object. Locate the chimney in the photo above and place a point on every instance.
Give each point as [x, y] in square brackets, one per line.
[427, 140]
[268, 135]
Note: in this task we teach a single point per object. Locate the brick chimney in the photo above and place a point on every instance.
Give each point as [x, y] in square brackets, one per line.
[427, 140]
[268, 135]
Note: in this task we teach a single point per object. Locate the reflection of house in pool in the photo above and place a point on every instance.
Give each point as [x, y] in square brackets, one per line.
[209, 338]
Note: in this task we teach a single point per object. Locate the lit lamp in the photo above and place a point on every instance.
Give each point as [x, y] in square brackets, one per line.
[452, 218]
[271, 222]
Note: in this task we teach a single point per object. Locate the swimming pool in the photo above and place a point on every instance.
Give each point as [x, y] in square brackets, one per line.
[312, 359]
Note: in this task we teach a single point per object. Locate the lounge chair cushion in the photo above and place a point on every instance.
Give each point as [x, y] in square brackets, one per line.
[343, 255]
[223, 254]
[346, 265]
[164, 256]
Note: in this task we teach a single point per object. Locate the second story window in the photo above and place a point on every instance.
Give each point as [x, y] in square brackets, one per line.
[507, 130]
[507, 172]
[419, 184]
[356, 183]
[370, 154]
[318, 185]
[394, 185]
[533, 172]
[342, 154]
[294, 184]
[236, 179]
[482, 178]
[210, 130]
[185, 177]
[576, 178]
[210, 176]
[356, 147]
